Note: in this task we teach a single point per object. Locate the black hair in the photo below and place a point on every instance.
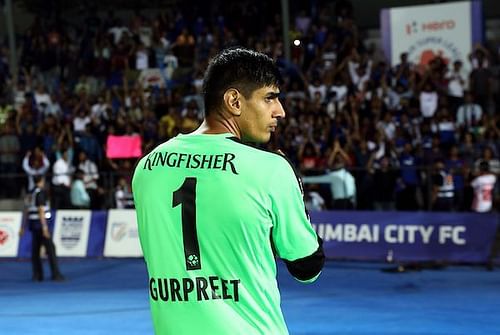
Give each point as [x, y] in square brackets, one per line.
[240, 68]
[484, 166]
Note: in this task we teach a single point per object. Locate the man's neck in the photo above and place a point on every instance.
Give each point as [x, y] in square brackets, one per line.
[217, 124]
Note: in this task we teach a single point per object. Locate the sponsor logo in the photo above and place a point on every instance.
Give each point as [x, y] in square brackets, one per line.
[6, 234]
[426, 56]
[71, 231]
[432, 26]
[426, 49]
[118, 231]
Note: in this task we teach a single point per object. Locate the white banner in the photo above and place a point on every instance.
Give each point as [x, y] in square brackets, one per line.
[427, 31]
[10, 224]
[71, 232]
[122, 236]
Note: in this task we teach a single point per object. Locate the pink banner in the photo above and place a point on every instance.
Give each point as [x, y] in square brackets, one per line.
[123, 146]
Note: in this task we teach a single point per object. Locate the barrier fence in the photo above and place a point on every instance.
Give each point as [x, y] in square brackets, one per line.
[370, 236]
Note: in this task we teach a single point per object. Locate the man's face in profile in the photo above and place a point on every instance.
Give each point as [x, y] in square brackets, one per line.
[260, 114]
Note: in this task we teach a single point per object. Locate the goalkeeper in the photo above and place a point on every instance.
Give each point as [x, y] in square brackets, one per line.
[213, 211]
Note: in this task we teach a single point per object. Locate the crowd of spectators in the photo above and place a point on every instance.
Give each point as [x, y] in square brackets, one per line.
[404, 134]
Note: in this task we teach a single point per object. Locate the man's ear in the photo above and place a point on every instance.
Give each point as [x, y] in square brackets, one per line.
[232, 101]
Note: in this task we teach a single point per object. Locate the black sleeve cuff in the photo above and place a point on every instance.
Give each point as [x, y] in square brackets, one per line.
[308, 267]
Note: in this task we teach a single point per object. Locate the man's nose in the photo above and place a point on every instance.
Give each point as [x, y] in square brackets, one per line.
[279, 112]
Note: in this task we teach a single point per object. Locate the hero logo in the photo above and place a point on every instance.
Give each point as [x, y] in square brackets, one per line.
[6, 235]
[414, 27]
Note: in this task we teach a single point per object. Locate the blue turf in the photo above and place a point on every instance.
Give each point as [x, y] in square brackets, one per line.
[109, 296]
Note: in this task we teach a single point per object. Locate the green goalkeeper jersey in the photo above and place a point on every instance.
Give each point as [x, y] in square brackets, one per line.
[212, 213]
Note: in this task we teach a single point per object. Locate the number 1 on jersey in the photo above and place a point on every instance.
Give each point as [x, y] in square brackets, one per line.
[186, 197]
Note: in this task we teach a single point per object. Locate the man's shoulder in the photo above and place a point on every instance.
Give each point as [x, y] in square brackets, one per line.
[263, 156]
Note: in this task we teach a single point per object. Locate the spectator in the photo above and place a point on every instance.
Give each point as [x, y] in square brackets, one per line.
[87, 142]
[35, 163]
[443, 188]
[481, 79]
[456, 165]
[428, 101]
[484, 185]
[313, 199]
[409, 180]
[61, 181]
[123, 195]
[487, 156]
[309, 157]
[81, 120]
[80, 198]
[384, 182]
[342, 185]
[457, 85]
[469, 113]
[42, 98]
[90, 178]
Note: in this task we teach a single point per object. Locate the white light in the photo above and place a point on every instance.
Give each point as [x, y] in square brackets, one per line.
[296, 42]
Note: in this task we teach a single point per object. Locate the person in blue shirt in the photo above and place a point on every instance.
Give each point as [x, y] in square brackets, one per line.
[408, 181]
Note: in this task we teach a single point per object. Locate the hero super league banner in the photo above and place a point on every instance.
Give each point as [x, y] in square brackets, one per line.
[449, 30]
[406, 236]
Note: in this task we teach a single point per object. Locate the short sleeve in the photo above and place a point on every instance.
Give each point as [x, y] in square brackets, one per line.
[293, 235]
[40, 199]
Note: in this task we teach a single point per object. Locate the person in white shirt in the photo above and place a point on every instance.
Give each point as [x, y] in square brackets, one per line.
[90, 177]
[483, 186]
[315, 88]
[35, 164]
[171, 63]
[118, 30]
[388, 126]
[337, 97]
[141, 58]
[313, 199]
[428, 101]
[42, 98]
[98, 110]
[342, 182]
[457, 85]
[123, 195]
[81, 120]
[360, 73]
[61, 181]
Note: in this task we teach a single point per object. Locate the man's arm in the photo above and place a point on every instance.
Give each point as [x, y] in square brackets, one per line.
[43, 221]
[307, 269]
[293, 236]
[39, 203]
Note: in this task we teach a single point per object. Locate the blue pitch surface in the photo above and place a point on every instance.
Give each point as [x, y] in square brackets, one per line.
[109, 296]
